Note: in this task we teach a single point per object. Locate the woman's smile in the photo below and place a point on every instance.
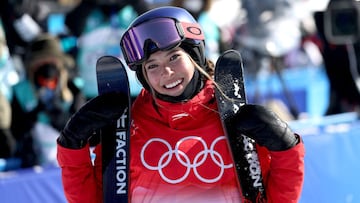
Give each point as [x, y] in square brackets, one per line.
[173, 84]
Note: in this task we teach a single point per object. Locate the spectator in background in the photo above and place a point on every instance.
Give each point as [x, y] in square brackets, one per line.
[7, 141]
[98, 26]
[43, 102]
[200, 10]
[344, 94]
[7, 78]
[24, 20]
[22, 23]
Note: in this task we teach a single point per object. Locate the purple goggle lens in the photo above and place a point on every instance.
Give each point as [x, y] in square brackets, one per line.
[164, 33]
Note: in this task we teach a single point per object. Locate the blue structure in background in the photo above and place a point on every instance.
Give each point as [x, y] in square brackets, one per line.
[308, 86]
[332, 159]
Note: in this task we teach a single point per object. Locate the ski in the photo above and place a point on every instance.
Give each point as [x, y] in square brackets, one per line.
[230, 96]
[112, 77]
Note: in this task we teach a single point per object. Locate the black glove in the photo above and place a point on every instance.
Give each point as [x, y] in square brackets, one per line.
[94, 115]
[265, 127]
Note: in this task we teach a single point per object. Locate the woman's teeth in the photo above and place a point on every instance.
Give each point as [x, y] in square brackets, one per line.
[173, 84]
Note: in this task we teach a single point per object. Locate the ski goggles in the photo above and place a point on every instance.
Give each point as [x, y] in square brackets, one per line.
[50, 83]
[156, 34]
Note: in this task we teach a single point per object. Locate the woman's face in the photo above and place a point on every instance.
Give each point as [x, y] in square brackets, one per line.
[169, 72]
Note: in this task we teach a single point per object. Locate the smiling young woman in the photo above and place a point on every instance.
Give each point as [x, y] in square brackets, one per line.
[178, 148]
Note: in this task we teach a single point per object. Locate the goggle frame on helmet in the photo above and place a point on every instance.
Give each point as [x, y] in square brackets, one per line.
[164, 33]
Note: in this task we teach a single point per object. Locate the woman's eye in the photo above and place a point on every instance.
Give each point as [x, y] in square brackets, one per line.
[152, 66]
[174, 57]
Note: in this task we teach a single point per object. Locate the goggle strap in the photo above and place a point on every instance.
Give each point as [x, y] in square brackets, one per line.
[192, 31]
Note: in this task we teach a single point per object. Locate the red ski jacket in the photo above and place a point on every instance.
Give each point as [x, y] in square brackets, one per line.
[179, 154]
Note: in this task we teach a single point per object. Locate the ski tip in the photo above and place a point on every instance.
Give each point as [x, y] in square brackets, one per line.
[111, 75]
[230, 91]
[229, 54]
[232, 51]
[108, 60]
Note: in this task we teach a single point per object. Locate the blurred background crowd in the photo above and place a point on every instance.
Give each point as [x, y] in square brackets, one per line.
[49, 48]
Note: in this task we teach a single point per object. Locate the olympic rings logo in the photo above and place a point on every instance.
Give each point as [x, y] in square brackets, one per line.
[185, 161]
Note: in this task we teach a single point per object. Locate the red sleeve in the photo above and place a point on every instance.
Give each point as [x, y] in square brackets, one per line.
[286, 175]
[81, 180]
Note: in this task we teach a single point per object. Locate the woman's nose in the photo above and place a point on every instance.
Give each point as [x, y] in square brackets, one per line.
[167, 71]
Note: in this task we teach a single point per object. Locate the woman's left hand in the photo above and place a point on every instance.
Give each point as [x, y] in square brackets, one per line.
[265, 127]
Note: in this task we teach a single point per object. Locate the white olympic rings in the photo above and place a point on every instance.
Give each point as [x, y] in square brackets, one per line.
[184, 160]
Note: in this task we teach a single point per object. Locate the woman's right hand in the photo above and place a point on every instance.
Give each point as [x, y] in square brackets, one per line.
[92, 116]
